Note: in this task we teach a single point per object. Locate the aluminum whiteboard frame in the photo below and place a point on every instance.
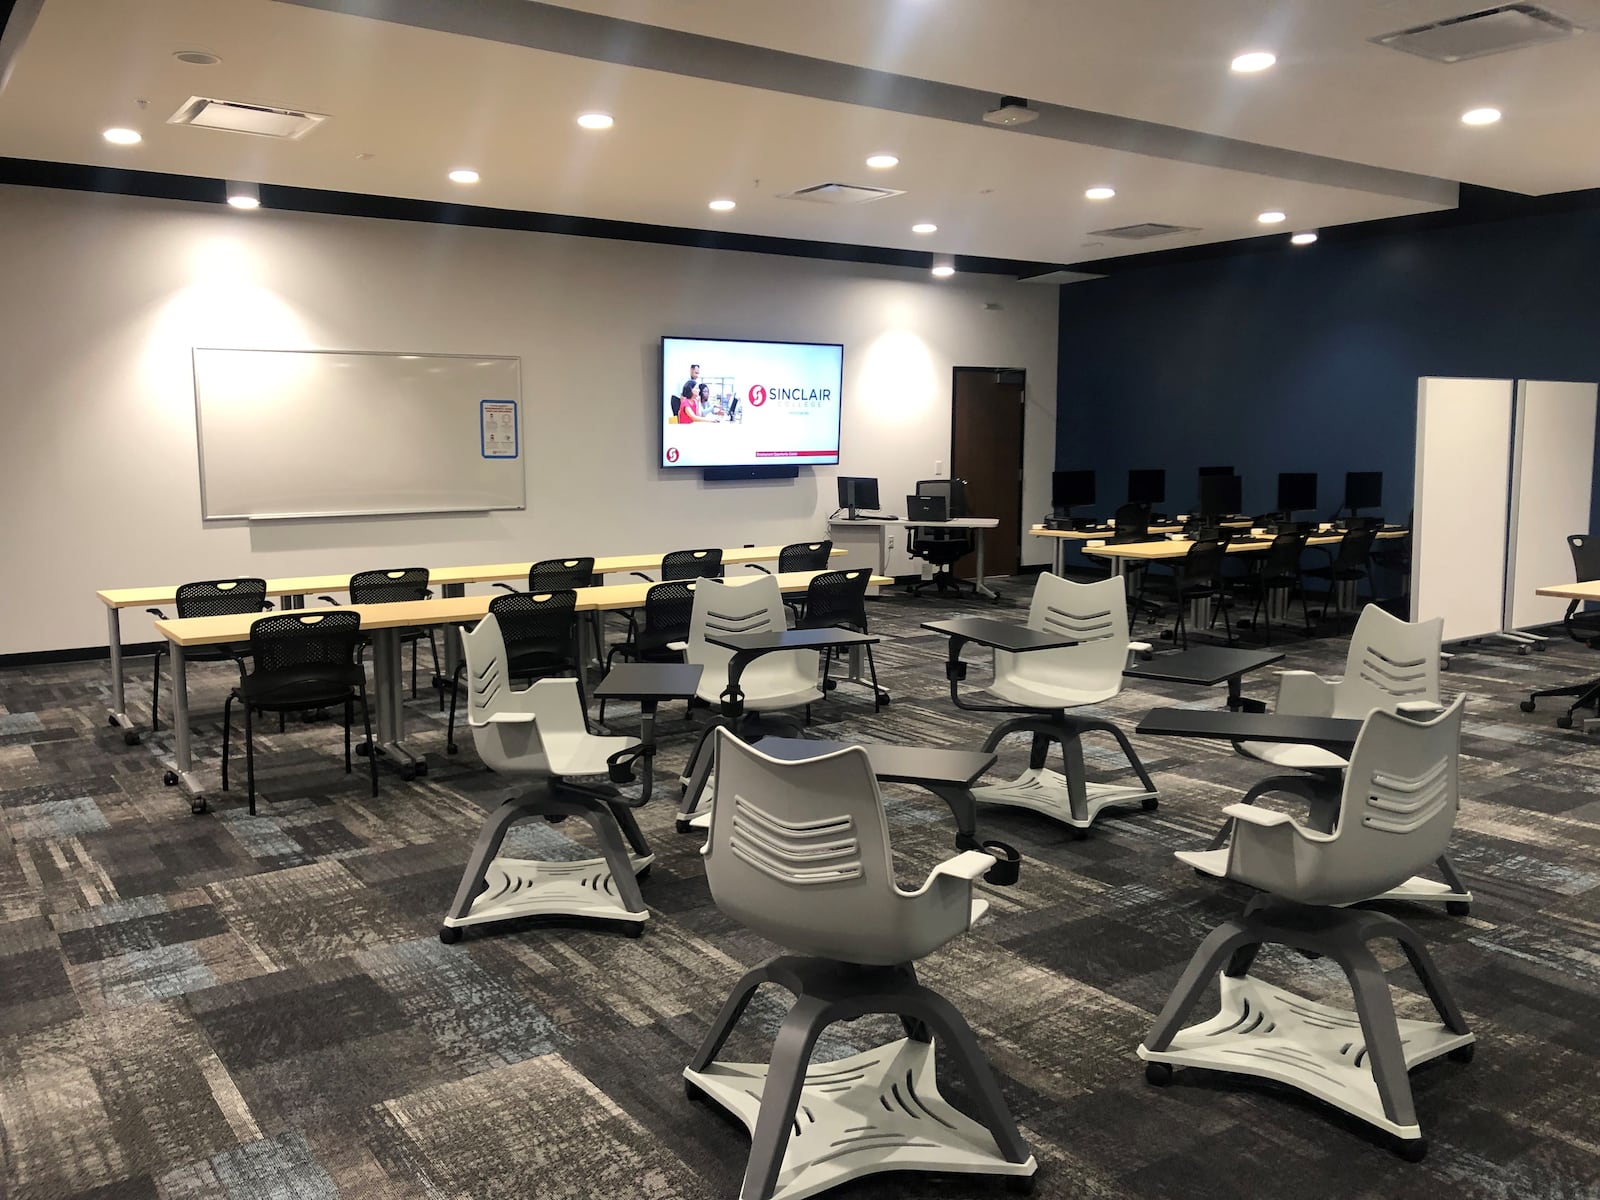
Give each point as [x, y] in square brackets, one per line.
[327, 514]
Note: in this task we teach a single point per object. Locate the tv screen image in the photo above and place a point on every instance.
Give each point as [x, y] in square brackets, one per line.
[731, 403]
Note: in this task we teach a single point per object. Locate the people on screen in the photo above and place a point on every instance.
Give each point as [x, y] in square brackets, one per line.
[688, 404]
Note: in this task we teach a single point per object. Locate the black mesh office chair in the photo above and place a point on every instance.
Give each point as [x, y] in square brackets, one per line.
[800, 556]
[661, 627]
[1581, 627]
[301, 661]
[1277, 573]
[210, 598]
[688, 564]
[838, 600]
[563, 575]
[1350, 564]
[942, 546]
[396, 585]
[1199, 577]
[1131, 522]
[541, 638]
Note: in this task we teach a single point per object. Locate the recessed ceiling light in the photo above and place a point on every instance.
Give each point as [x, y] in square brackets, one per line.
[943, 271]
[1271, 217]
[1480, 116]
[883, 162]
[924, 227]
[1099, 193]
[463, 175]
[122, 137]
[721, 206]
[243, 195]
[1303, 239]
[596, 120]
[1254, 60]
[198, 58]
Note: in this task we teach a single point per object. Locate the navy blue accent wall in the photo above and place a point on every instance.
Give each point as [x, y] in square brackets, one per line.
[1307, 359]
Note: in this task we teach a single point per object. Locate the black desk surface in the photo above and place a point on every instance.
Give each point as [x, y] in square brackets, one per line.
[896, 764]
[1332, 732]
[1204, 665]
[1001, 635]
[650, 681]
[791, 639]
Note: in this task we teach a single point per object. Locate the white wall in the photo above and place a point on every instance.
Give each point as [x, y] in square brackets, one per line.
[105, 295]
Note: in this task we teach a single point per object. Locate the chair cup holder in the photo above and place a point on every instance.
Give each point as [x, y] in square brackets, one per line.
[620, 772]
[1007, 865]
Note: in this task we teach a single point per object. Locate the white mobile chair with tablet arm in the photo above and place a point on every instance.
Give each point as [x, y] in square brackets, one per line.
[1049, 683]
[1390, 663]
[539, 732]
[785, 679]
[799, 854]
[1396, 809]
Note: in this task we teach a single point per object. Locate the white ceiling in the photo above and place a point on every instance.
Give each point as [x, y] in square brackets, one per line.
[420, 102]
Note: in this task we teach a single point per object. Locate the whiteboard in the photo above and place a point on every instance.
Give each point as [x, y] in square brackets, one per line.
[1463, 493]
[326, 433]
[1552, 479]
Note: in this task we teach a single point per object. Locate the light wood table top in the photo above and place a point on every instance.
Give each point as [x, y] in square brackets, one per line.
[449, 610]
[1585, 590]
[1084, 535]
[951, 523]
[1150, 551]
[305, 585]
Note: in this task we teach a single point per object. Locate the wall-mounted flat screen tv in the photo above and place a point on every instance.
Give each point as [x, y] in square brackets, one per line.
[731, 403]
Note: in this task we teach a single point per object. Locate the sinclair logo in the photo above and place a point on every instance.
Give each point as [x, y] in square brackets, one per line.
[758, 396]
[672, 454]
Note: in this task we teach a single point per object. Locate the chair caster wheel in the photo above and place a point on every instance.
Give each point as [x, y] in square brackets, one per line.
[1150, 803]
[1158, 1074]
[452, 748]
[683, 826]
[693, 1092]
[830, 685]
[1462, 1054]
[1457, 908]
[111, 721]
[1526, 706]
[1021, 1185]
[130, 738]
[170, 778]
[1077, 833]
[644, 872]
[449, 934]
[422, 768]
[634, 930]
[364, 749]
[199, 807]
[883, 699]
[1564, 722]
[408, 772]
[1413, 1150]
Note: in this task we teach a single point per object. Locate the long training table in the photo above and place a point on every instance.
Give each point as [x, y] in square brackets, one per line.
[1165, 549]
[451, 581]
[385, 622]
[1060, 537]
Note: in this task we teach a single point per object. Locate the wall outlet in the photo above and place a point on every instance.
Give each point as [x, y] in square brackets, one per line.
[891, 541]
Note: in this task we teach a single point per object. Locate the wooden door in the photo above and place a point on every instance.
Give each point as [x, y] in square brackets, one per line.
[986, 451]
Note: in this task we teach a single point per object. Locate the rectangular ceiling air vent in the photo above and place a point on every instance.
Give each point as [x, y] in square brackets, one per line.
[1489, 31]
[1150, 229]
[234, 117]
[840, 193]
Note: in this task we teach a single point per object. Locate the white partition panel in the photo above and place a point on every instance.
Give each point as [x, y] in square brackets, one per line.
[319, 433]
[1463, 491]
[1552, 480]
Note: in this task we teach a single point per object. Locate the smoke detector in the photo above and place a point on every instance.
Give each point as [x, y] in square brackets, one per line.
[1012, 110]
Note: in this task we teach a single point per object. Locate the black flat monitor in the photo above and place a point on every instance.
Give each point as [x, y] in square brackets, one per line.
[1297, 491]
[1204, 471]
[1071, 488]
[1363, 489]
[1147, 486]
[858, 492]
[953, 490]
[1220, 495]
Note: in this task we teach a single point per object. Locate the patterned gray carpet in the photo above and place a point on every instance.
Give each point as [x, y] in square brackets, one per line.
[259, 1008]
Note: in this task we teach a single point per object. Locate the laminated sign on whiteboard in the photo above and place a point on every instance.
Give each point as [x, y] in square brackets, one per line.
[499, 422]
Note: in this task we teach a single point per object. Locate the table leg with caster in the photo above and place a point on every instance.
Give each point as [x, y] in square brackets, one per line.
[978, 585]
[183, 776]
[117, 718]
[391, 693]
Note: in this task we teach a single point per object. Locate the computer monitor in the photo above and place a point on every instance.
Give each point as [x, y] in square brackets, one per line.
[1070, 488]
[1363, 489]
[858, 492]
[953, 490]
[1147, 486]
[1220, 495]
[1297, 491]
[1204, 471]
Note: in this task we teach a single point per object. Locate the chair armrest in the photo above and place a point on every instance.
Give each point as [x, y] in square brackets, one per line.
[679, 646]
[969, 865]
[267, 606]
[1303, 694]
[1140, 647]
[503, 718]
[328, 599]
[156, 612]
[1251, 815]
[1419, 710]
[507, 587]
[641, 575]
[758, 567]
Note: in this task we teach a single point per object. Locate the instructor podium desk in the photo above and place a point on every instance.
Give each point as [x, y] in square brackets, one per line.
[869, 537]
